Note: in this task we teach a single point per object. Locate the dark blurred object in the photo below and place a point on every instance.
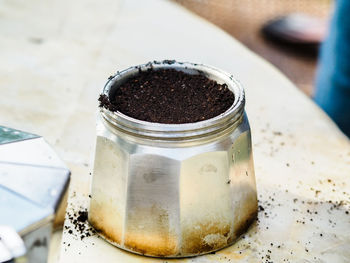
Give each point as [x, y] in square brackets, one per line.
[244, 19]
[297, 29]
[300, 32]
[33, 190]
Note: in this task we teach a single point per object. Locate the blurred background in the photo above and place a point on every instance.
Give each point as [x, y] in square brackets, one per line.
[245, 19]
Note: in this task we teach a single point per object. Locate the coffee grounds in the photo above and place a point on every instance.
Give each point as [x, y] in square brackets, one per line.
[169, 96]
[81, 227]
[83, 216]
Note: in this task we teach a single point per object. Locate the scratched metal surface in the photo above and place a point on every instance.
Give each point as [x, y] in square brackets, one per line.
[54, 65]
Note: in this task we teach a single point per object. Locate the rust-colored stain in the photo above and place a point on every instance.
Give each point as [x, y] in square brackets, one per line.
[205, 237]
[151, 245]
[156, 239]
[210, 236]
[100, 218]
[148, 232]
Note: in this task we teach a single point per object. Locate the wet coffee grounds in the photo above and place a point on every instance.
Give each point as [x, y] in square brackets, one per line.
[169, 96]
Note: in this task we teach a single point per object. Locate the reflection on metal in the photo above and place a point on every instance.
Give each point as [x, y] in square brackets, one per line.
[169, 190]
[33, 182]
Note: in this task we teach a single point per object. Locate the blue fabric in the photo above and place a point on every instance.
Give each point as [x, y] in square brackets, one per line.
[333, 76]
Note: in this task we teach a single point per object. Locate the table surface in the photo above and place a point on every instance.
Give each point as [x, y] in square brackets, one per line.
[55, 58]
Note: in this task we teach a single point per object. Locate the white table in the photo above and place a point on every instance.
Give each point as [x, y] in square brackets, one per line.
[55, 58]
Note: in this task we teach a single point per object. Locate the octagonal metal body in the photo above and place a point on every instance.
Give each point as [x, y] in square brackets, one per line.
[168, 190]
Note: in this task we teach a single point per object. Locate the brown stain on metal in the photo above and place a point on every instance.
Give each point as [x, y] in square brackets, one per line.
[246, 214]
[102, 231]
[100, 218]
[152, 245]
[157, 240]
[196, 240]
[154, 236]
[242, 226]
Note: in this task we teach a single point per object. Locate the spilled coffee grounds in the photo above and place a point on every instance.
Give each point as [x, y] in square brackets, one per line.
[169, 96]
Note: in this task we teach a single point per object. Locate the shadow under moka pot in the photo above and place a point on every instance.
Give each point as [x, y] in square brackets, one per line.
[173, 190]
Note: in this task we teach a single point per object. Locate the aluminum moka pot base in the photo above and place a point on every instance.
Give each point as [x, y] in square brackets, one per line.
[167, 190]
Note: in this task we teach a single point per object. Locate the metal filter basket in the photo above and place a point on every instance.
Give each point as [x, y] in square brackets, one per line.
[173, 190]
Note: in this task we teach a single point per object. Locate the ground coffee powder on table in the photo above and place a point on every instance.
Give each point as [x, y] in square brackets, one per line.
[169, 96]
